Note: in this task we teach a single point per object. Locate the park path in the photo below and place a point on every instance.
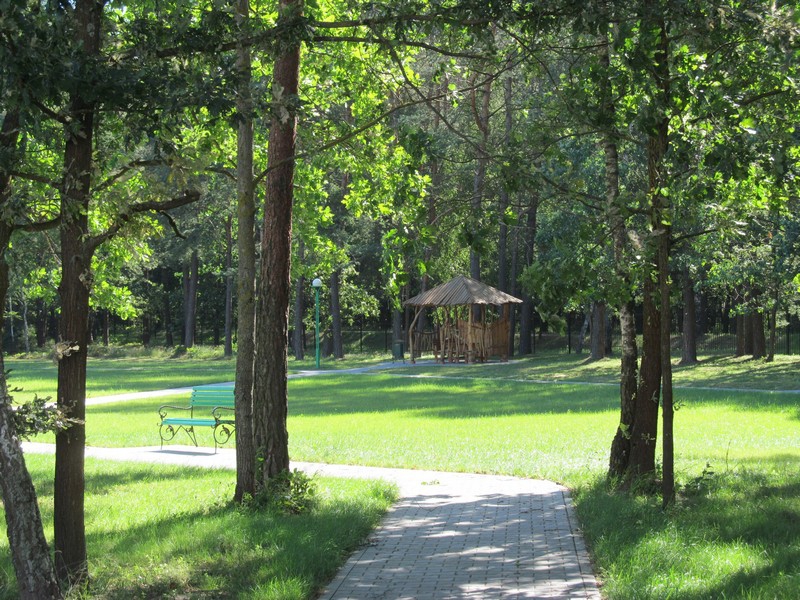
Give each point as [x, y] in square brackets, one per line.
[450, 535]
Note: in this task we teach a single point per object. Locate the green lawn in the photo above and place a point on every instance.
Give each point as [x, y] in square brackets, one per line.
[118, 376]
[734, 533]
[157, 531]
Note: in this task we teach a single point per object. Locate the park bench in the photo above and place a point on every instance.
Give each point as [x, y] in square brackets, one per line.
[209, 406]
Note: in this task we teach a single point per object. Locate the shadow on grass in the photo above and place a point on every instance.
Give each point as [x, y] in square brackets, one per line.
[474, 398]
[741, 372]
[224, 551]
[158, 532]
[442, 398]
[735, 534]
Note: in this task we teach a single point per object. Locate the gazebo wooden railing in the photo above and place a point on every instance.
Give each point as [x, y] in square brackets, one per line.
[464, 330]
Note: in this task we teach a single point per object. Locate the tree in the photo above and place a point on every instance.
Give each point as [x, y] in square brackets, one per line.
[270, 400]
[30, 553]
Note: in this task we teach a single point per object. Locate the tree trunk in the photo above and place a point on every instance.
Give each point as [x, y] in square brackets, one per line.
[228, 351]
[270, 395]
[619, 458]
[169, 339]
[512, 317]
[147, 329]
[191, 278]
[740, 335]
[479, 182]
[106, 325]
[246, 273]
[598, 330]
[76, 277]
[645, 424]
[621, 446]
[689, 342]
[502, 243]
[10, 326]
[749, 342]
[582, 333]
[657, 367]
[26, 334]
[773, 327]
[759, 338]
[336, 316]
[41, 323]
[526, 310]
[30, 554]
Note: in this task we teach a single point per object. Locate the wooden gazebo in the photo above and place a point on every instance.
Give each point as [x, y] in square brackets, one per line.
[465, 330]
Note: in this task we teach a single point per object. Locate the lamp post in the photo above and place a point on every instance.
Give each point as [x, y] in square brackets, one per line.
[316, 284]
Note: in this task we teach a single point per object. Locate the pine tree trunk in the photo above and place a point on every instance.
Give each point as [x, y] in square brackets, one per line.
[298, 340]
[336, 316]
[169, 339]
[740, 335]
[191, 277]
[270, 401]
[502, 242]
[481, 115]
[582, 333]
[106, 325]
[773, 327]
[759, 337]
[598, 330]
[246, 272]
[41, 323]
[689, 342]
[228, 351]
[526, 310]
[26, 334]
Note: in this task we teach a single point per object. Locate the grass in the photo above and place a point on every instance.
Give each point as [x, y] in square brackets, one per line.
[712, 371]
[118, 376]
[734, 532]
[160, 531]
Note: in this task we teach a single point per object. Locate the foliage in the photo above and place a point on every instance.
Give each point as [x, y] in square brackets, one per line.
[291, 492]
[39, 416]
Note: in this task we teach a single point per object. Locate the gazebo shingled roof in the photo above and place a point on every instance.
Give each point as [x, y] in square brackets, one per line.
[461, 291]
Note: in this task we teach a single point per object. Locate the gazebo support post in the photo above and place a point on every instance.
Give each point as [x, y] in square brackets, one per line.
[411, 333]
[470, 356]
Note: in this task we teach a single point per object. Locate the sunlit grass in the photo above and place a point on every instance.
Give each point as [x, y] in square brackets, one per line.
[711, 371]
[156, 531]
[117, 376]
[733, 533]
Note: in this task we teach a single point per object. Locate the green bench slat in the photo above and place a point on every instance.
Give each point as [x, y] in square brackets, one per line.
[189, 422]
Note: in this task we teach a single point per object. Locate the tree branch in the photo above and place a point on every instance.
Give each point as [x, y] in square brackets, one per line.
[39, 226]
[386, 43]
[187, 197]
[115, 177]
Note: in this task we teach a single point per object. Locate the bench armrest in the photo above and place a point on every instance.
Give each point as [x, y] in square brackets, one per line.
[216, 410]
[162, 410]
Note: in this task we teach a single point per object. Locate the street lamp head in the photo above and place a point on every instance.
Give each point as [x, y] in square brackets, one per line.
[317, 283]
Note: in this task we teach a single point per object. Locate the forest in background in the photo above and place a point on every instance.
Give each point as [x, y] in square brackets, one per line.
[487, 161]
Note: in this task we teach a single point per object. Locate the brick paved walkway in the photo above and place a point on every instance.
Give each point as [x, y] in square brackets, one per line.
[451, 535]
